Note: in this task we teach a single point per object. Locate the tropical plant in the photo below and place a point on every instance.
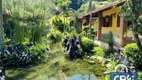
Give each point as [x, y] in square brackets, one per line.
[10, 60]
[63, 6]
[59, 23]
[108, 38]
[37, 32]
[55, 36]
[27, 24]
[72, 45]
[76, 22]
[39, 52]
[93, 33]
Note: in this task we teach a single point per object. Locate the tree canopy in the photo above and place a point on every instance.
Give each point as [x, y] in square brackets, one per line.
[132, 11]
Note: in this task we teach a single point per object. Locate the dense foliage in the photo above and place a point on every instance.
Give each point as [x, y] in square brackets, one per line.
[87, 44]
[131, 10]
[60, 23]
[132, 51]
[46, 31]
[39, 52]
[108, 38]
[99, 51]
[55, 36]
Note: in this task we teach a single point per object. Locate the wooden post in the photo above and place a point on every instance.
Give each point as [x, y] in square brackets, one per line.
[99, 31]
[80, 25]
[123, 29]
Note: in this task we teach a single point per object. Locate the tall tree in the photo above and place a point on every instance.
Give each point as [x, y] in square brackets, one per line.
[90, 25]
[132, 10]
[75, 4]
[1, 28]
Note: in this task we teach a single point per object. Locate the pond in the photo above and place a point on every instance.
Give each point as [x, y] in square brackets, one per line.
[78, 77]
[82, 77]
[77, 69]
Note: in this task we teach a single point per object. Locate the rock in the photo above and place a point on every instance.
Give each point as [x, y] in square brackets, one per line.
[107, 72]
[93, 57]
[108, 65]
[91, 62]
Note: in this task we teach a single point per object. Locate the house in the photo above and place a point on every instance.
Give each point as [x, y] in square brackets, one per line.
[107, 19]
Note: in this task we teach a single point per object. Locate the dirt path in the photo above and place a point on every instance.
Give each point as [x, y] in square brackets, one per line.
[62, 75]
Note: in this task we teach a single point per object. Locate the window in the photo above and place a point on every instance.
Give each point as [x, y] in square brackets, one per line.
[118, 21]
[108, 21]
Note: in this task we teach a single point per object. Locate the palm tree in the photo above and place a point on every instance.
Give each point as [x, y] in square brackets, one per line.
[1, 28]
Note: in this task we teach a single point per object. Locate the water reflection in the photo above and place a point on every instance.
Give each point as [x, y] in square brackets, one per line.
[77, 77]
[82, 77]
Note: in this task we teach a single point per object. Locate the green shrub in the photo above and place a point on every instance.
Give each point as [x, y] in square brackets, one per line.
[132, 51]
[107, 77]
[99, 51]
[39, 52]
[55, 36]
[108, 38]
[82, 34]
[140, 76]
[87, 44]
[93, 33]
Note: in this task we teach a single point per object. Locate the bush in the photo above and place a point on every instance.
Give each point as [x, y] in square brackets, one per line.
[94, 33]
[108, 38]
[15, 55]
[87, 44]
[99, 51]
[39, 52]
[132, 51]
[55, 36]
[82, 34]
[107, 77]
[140, 76]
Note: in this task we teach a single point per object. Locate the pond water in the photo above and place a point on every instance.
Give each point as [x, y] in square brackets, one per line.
[79, 77]
[82, 77]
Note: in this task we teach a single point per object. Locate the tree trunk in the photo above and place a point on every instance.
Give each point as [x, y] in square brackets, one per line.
[1, 33]
[137, 39]
[90, 25]
[1, 28]
[136, 36]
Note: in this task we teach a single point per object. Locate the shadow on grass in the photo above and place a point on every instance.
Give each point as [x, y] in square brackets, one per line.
[20, 74]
